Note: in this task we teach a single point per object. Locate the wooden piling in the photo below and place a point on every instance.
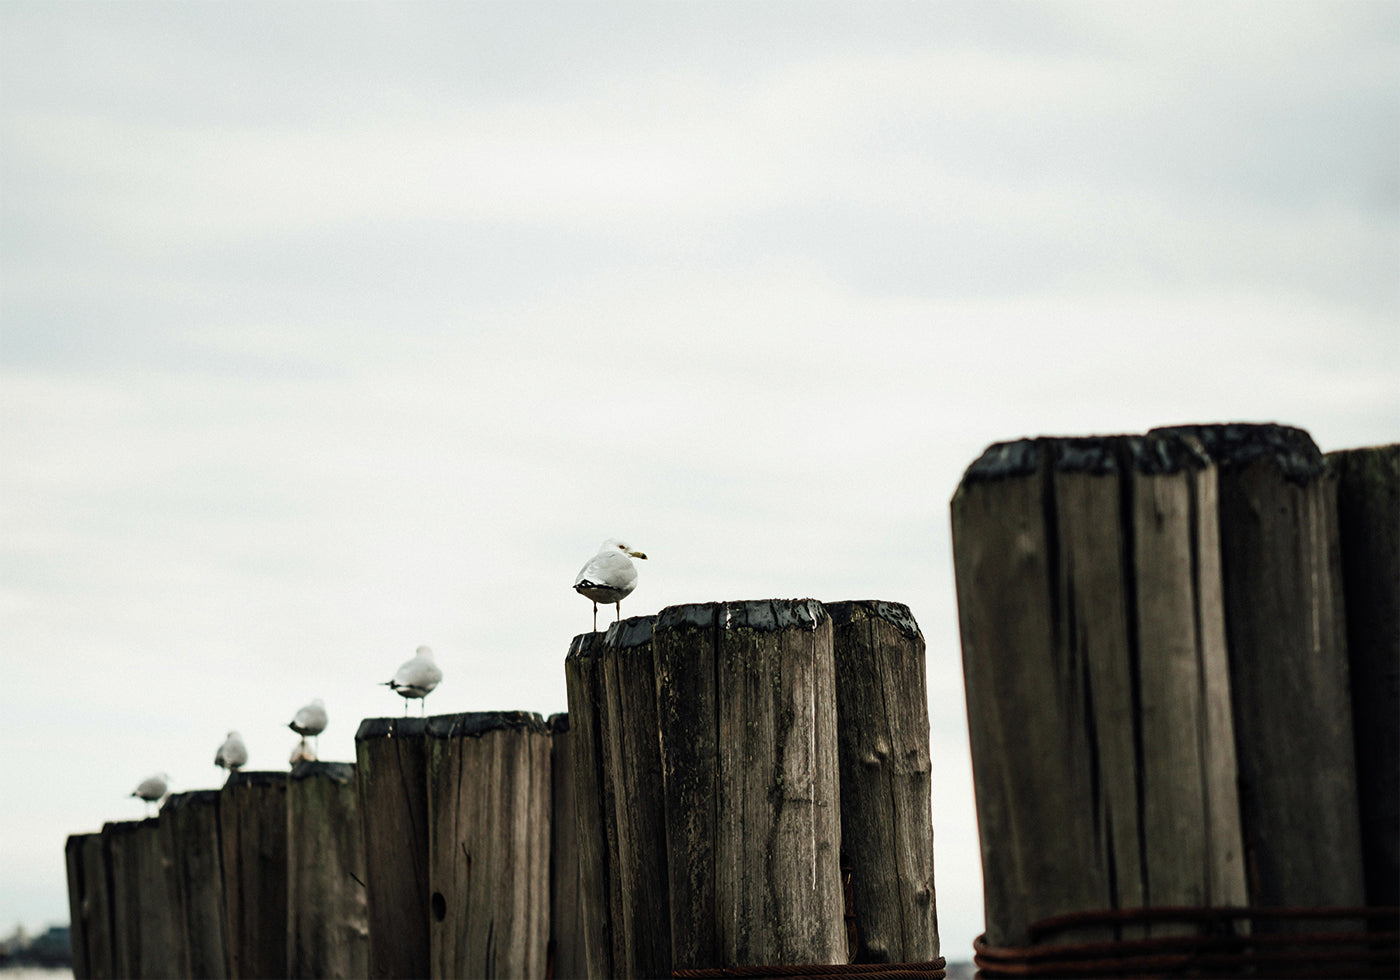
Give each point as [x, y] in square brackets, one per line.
[1097, 691]
[253, 834]
[593, 794]
[642, 922]
[327, 919]
[1368, 515]
[146, 939]
[886, 783]
[391, 780]
[1290, 687]
[566, 956]
[90, 907]
[748, 745]
[488, 844]
[190, 827]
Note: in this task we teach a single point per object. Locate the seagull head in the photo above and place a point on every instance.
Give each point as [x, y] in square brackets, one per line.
[622, 546]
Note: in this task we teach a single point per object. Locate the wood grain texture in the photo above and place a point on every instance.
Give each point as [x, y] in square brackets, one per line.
[79, 908]
[1290, 685]
[391, 779]
[253, 838]
[327, 913]
[1089, 599]
[632, 759]
[1368, 515]
[754, 841]
[97, 904]
[583, 676]
[565, 913]
[190, 825]
[488, 844]
[146, 940]
[886, 783]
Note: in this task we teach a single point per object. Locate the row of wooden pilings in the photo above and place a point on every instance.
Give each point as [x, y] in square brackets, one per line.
[735, 784]
[1182, 656]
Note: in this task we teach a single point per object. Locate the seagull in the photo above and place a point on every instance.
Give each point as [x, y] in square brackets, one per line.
[310, 720]
[152, 788]
[416, 678]
[609, 576]
[233, 754]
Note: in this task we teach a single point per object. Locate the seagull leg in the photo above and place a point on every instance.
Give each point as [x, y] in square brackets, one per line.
[619, 610]
[595, 615]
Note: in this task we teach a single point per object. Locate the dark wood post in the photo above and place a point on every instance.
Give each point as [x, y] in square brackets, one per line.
[1288, 664]
[253, 832]
[593, 794]
[748, 744]
[144, 917]
[1093, 659]
[327, 922]
[190, 825]
[632, 758]
[90, 907]
[886, 783]
[1368, 516]
[565, 914]
[488, 844]
[391, 777]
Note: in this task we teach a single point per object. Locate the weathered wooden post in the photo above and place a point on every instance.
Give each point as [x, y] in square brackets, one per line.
[90, 907]
[488, 844]
[1368, 517]
[253, 832]
[1289, 679]
[1097, 690]
[190, 827]
[632, 757]
[391, 777]
[886, 780]
[327, 922]
[565, 914]
[593, 794]
[747, 717]
[146, 938]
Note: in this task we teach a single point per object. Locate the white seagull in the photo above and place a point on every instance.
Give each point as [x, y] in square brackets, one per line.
[416, 678]
[609, 576]
[310, 720]
[152, 789]
[233, 754]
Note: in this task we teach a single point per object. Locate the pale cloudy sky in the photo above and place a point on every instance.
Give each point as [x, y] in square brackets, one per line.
[331, 329]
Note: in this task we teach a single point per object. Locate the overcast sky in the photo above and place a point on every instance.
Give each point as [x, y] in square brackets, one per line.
[330, 330]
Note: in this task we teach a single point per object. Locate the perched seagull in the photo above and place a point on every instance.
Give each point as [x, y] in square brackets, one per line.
[416, 678]
[301, 752]
[233, 754]
[609, 576]
[310, 720]
[152, 788]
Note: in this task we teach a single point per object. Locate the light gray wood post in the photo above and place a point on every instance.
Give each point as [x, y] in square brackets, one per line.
[748, 744]
[1368, 513]
[886, 780]
[1288, 664]
[253, 835]
[1096, 682]
[144, 914]
[327, 920]
[593, 807]
[565, 913]
[391, 779]
[632, 758]
[488, 844]
[190, 827]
